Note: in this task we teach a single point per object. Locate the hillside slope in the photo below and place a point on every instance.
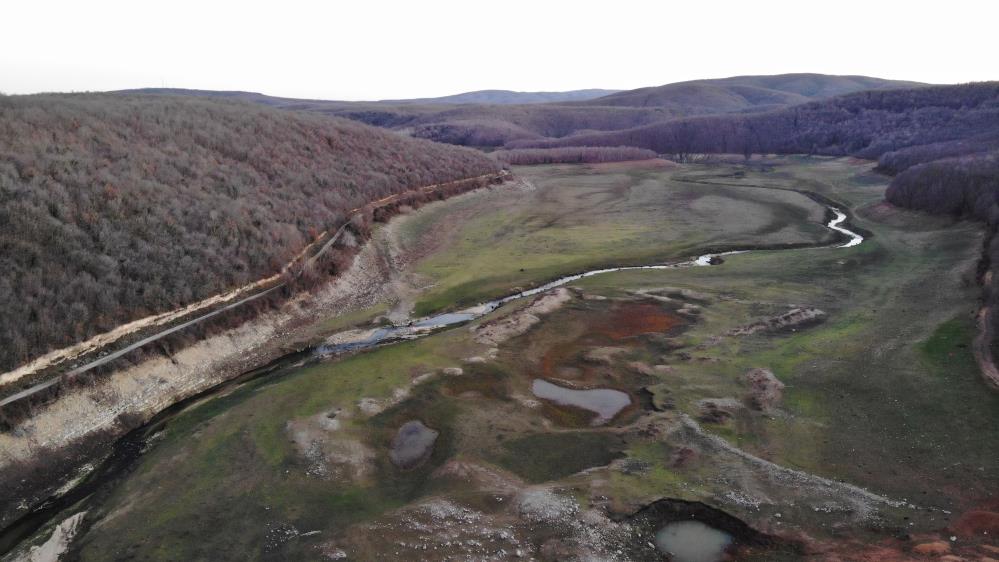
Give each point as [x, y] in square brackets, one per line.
[865, 124]
[741, 93]
[506, 97]
[493, 121]
[114, 207]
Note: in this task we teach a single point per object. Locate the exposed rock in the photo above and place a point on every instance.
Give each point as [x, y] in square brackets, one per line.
[518, 322]
[57, 544]
[689, 310]
[717, 410]
[602, 355]
[667, 294]
[479, 477]
[765, 390]
[329, 454]
[421, 379]
[838, 501]
[453, 371]
[643, 368]
[791, 320]
[412, 445]
[370, 406]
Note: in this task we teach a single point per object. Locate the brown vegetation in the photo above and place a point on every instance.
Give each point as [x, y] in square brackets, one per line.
[573, 155]
[480, 121]
[115, 207]
[865, 124]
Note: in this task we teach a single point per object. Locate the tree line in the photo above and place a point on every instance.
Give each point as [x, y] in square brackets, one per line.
[572, 155]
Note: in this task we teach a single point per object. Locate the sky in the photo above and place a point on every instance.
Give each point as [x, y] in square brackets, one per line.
[376, 49]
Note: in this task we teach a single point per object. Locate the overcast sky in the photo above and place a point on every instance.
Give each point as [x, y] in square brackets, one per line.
[374, 49]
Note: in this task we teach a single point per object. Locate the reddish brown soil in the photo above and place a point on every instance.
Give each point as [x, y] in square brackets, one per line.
[632, 319]
[623, 321]
[979, 524]
[619, 325]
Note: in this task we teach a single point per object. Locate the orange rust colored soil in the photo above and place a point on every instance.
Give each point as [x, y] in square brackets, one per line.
[977, 523]
[636, 318]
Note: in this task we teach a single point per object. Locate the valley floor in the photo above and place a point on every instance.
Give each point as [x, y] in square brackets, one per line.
[811, 402]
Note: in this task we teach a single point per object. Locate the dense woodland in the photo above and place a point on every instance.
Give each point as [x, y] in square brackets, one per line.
[114, 207]
[866, 125]
[967, 186]
[573, 155]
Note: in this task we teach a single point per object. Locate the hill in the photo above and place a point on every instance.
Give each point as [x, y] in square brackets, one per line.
[506, 97]
[113, 207]
[490, 119]
[866, 124]
[742, 93]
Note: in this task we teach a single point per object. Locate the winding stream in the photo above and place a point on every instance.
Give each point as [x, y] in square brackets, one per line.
[360, 339]
[128, 449]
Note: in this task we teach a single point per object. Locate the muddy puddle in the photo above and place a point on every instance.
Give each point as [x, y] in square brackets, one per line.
[604, 402]
[692, 541]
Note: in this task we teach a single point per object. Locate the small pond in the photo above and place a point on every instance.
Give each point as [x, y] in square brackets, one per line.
[692, 541]
[604, 402]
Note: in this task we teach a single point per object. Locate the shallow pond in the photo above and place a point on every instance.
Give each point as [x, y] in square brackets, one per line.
[692, 541]
[412, 444]
[604, 402]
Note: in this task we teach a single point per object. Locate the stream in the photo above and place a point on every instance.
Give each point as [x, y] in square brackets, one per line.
[361, 339]
[129, 448]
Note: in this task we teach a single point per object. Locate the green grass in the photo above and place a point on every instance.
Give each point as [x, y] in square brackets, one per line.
[578, 219]
[550, 456]
[949, 346]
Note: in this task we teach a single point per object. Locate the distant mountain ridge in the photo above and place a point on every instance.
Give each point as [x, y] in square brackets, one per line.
[738, 93]
[506, 97]
[485, 97]
[490, 118]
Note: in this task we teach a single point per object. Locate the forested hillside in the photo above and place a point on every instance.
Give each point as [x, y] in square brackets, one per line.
[745, 93]
[490, 119]
[573, 155]
[866, 124]
[113, 207]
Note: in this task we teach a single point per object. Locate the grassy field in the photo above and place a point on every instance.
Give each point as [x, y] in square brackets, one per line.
[883, 394]
[584, 217]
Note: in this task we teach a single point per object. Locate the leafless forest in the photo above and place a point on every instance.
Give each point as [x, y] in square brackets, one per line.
[114, 207]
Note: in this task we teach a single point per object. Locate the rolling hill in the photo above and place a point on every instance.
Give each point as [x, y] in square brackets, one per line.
[742, 93]
[506, 97]
[492, 118]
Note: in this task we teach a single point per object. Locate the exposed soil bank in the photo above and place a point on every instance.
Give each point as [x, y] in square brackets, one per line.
[91, 417]
[94, 352]
[983, 346]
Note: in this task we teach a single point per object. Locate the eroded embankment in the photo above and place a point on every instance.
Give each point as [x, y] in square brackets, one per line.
[104, 348]
[983, 345]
